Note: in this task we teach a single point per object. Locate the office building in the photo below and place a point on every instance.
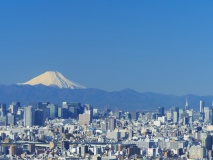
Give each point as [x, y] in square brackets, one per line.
[63, 113]
[187, 105]
[112, 123]
[88, 109]
[175, 114]
[84, 119]
[134, 115]
[206, 114]
[3, 121]
[175, 117]
[161, 111]
[39, 121]
[29, 116]
[202, 104]
[11, 119]
[53, 111]
[3, 109]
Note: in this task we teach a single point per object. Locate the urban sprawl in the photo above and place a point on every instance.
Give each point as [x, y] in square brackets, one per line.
[71, 131]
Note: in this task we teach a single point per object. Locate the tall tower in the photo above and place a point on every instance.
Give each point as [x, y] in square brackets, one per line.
[187, 105]
[202, 104]
[112, 123]
[3, 109]
[206, 111]
[29, 116]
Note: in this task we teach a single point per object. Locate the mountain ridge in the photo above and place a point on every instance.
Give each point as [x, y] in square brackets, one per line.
[53, 87]
[123, 99]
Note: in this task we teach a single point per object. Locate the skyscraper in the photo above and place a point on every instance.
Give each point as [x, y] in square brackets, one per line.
[161, 111]
[63, 113]
[202, 105]
[206, 114]
[187, 105]
[175, 117]
[53, 110]
[112, 123]
[29, 116]
[3, 109]
[11, 119]
[134, 115]
[14, 107]
[88, 109]
[74, 108]
[39, 121]
[175, 114]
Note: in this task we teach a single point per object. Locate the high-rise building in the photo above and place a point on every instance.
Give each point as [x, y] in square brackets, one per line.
[181, 113]
[112, 123]
[73, 112]
[160, 111]
[175, 114]
[3, 121]
[3, 109]
[84, 119]
[46, 113]
[104, 126]
[53, 111]
[119, 114]
[202, 105]
[63, 113]
[206, 114]
[187, 105]
[74, 108]
[14, 107]
[39, 121]
[11, 119]
[88, 109]
[185, 120]
[29, 116]
[134, 115]
[127, 116]
[175, 117]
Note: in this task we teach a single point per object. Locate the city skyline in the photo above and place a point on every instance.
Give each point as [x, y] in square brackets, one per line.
[162, 47]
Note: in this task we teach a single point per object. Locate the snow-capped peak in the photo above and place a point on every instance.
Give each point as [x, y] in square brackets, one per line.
[53, 78]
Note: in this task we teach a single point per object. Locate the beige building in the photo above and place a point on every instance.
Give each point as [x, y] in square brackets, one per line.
[197, 152]
[84, 119]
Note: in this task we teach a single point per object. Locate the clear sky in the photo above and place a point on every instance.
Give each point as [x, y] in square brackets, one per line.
[159, 46]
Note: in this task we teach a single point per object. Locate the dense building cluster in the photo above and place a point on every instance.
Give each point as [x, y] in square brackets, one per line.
[43, 130]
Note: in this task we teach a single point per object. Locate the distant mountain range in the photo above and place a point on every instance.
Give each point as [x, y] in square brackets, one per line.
[58, 90]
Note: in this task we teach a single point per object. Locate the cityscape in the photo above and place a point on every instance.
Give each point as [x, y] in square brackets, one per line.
[106, 80]
[72, 130]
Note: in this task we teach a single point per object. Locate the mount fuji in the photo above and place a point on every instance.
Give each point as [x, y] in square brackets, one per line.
[53, 79]
[55, 88]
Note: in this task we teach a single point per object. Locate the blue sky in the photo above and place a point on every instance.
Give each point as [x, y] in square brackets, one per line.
[158, 46]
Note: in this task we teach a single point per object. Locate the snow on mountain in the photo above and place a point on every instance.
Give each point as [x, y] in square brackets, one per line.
[53, 78]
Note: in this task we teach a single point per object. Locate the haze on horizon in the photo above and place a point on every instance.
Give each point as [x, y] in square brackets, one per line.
[157, 46]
